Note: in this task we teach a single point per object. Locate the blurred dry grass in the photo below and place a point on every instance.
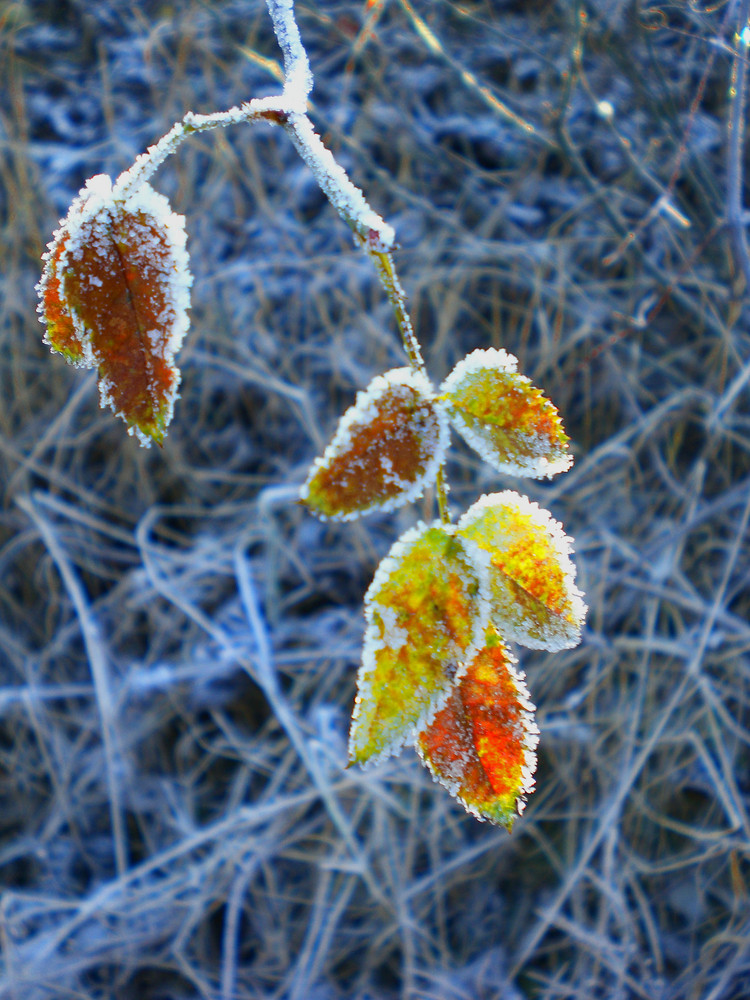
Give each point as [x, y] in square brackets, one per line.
[175, 825]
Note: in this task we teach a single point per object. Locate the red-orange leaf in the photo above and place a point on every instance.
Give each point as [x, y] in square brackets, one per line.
[532, 578]
[481, 744]
[505, 418]
[114, 296]
[387, 447]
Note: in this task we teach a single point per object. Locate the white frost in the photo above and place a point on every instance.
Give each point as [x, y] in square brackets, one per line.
[298, 80]
[288, 109]
[377, 635]
[559, 632]
[537, 464]
[345, 197]
[479, 360]
[452, 774]
[364, 411]
[89, 224]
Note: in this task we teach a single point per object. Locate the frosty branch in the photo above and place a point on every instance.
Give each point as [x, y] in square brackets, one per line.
[437, 669]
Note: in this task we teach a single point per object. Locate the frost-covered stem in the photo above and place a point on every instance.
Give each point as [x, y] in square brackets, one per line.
[270, 109]
[386, 269]
[345, 197]
[441, 491]
[298, 79]
[289, 109]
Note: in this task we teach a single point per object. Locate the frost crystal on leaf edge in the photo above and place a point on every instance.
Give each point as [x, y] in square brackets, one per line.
[358, 415]
[530, 744]
[94, 201]
[480, 563]
[533, 466]
[561, 546]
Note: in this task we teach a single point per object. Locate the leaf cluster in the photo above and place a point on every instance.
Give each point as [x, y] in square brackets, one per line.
[436, 666]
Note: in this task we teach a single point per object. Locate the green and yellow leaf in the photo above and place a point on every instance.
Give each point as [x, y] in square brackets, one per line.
[426, 613]
[505, 418]
[535, 601]
[114, 296]
[387, 447]
[481, 744]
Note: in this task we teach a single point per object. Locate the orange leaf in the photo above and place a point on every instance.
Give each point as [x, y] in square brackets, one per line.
[534, 597]
[426, 613]
[481, 744]
[114, 296]
[387, 447]
[504, 417]
[61, 334]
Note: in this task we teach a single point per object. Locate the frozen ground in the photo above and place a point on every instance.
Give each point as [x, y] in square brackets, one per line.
[178, 640]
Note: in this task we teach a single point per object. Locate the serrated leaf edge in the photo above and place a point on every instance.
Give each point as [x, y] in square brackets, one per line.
[530, 744]
[562, 547]
[493, 358]
[95, 199]
[480, 560]
[356, 415]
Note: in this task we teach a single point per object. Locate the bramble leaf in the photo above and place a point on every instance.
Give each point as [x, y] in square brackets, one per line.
[114, 296]
[387, 447]
[61, 334]
[504, 417]
[426, 612]
[481, 744]
[535, 601]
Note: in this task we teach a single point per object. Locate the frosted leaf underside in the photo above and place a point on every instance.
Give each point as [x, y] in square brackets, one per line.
[426, 612]
[535, 601]
[114, 296]
[505, 418]
[387, 447]
[481, 744]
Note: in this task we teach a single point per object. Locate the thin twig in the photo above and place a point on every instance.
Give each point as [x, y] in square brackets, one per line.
[396, 296]
[735, 136]
[289, 110]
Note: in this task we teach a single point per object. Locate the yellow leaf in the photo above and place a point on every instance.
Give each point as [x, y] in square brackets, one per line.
[504, 417]
[426, 613]
[535, 601]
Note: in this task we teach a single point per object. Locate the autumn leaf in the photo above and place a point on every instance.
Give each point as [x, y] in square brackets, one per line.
[426, 612]
[481, 744]
[114, 296]
[535, 601]
[61, 334]
[387, 447]
[506, 419]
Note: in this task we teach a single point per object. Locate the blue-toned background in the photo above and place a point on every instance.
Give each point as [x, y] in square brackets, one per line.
[165, 832]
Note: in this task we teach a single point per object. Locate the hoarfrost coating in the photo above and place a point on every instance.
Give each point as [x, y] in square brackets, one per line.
[535, 599]
[88, 239]
[442, 658]
[426, 424]
[522, 434]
